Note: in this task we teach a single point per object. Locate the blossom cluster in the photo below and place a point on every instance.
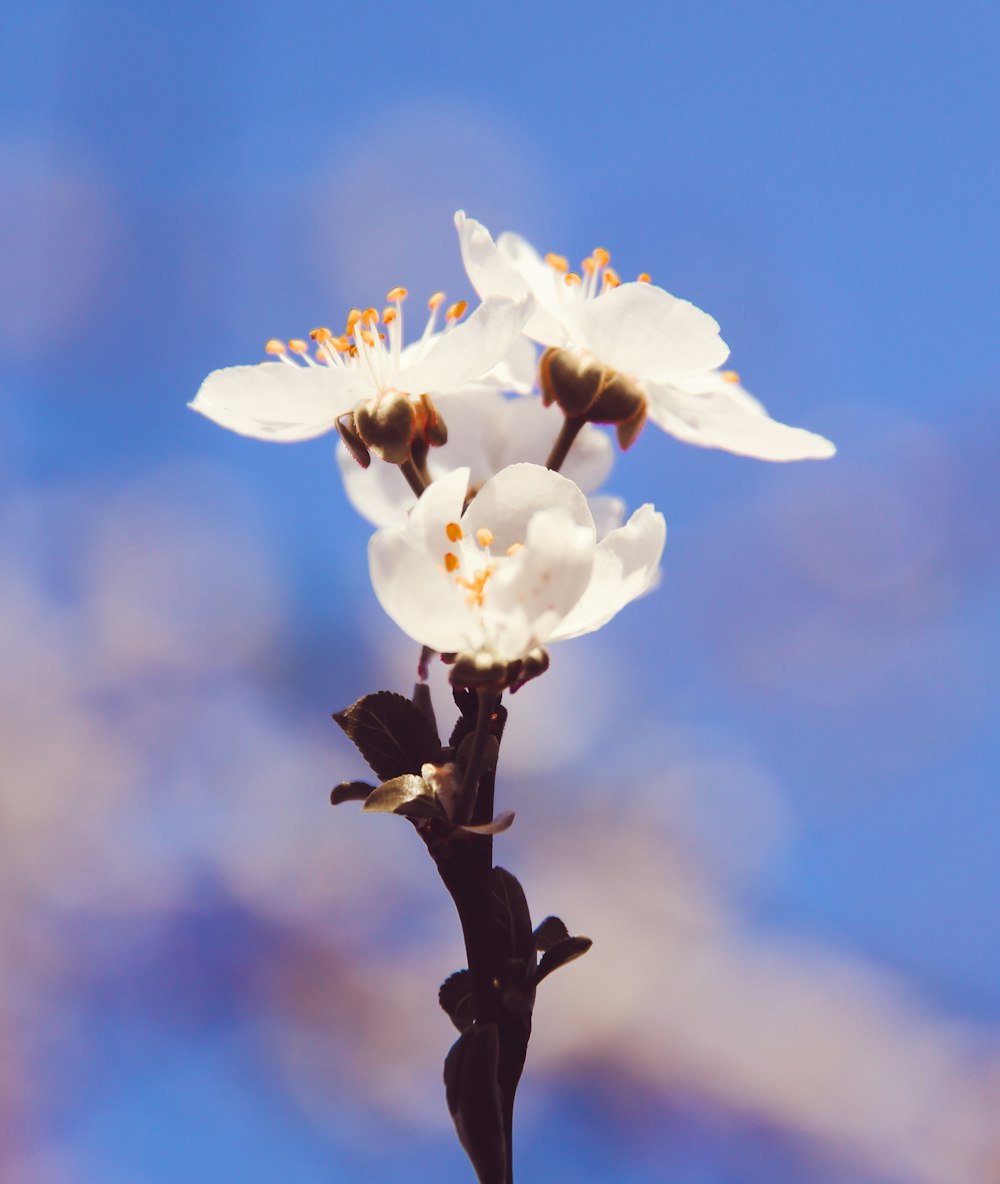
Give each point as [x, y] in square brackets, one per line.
[491, 540]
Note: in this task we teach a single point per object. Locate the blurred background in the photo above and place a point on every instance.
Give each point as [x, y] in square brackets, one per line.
[768, 791]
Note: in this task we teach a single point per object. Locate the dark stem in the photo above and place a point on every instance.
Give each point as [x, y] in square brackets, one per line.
[465, 808]
[571, 428]
[414, 477]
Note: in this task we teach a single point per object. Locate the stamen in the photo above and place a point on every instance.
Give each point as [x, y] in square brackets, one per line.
[388, 315]
[484, 536]
[451, 561]
[730, 376]
[456, 310]
[298, 346]
[559, 262]
[436, 301]
[274, 346]
[601, 257]
[514, 548]
[352, 319]
[589, 266]
[369, 316]
[396, 294]
[453, 531]
[572, 279]
[611, 278]
[321, 336]
[643, 278]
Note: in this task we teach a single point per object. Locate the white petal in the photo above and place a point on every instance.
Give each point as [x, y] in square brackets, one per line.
[536, 588]
[417, 593]
[645, 332]
[469, 350]
[527, 431]
[496, 270]
[626, 565]
[507, 503]
[708, 410]
[277, 401]
[379, 493]
[440, 503]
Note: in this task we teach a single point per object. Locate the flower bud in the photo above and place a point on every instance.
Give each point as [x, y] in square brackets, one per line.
[386, 424]
[355, 445]
[430, 424]
[571, 379]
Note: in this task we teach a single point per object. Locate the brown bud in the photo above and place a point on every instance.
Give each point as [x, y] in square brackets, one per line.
[355, 445]
[386, 424]
[484, 672]
[620, 400]
[431, 425]
[572, 380]
[628, 429]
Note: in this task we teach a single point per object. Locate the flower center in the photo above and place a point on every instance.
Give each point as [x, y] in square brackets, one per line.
[595, 275]
[472, 562]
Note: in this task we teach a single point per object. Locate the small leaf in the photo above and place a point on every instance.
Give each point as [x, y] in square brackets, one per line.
[561, 953]
[457, 1000]
[350, 791]
[473, 1094]
[391, 733]
[549, 933]
[510, 916]
[499, 824]
[388, 797]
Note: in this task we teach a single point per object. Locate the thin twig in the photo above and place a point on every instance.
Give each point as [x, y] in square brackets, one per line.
[571, 428]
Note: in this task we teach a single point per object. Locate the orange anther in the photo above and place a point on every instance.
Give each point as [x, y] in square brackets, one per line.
[456, 310]
[396, 294]
[559, 262]
[388, 315]
[730, 376]
[644, 278]
[352, 318]
[451, 561]
[572, 278]
[370, 316]
[324, 336]
[274, 346]
[611, 278]
[514, 548]
[436, 301]
[298, 346]
[589, 266]
[601, 257]
[484, 536]
[453, 531]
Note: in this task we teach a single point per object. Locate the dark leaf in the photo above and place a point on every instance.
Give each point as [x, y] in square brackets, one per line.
[561, 953]
[350, 791]
[470, 1080]
[510, 916]
[421, 808]
[391, 733]
[549, 933]
[388, 797]
[457, 1000]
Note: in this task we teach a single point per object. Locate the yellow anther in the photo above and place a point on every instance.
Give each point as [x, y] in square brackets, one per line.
[572, 278]
[589, 266]
[298, 346]
[395, 294]
[274, 346]
[451, 561]
[484, 536]
[601, 257]
[436, 301]
[514, 548]
[559, 262]
[644, 278]
[323, 336]
[730, 376]
[352, 319]
[457, 310]
[388, 315]
[369, 316]
[611, 278]
[453, 531]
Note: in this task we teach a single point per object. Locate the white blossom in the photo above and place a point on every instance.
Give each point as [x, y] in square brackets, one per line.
[667, 351]
[521, 566]
[303, 393]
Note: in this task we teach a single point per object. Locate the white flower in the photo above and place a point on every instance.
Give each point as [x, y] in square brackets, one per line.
[486, 434]
[302, 395]
[628, 349]
[521, 566]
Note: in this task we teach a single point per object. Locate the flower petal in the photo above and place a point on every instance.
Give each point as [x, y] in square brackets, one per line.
[379, 493]
[526, 432]
[713, 412]
[626, 565]
[276, 401]
[644, 332]
[495, 269]
[507, 503]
